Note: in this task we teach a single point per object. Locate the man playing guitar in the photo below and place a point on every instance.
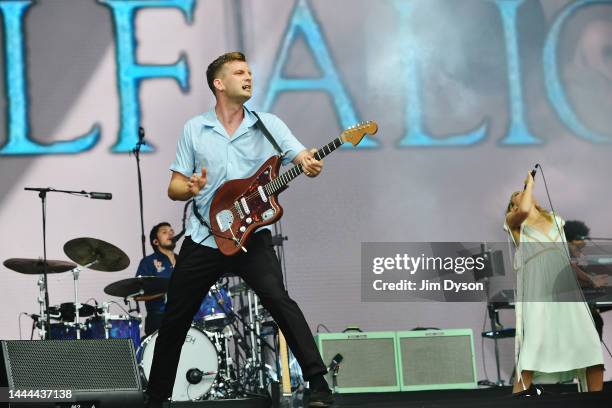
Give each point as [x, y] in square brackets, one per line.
[220, 145]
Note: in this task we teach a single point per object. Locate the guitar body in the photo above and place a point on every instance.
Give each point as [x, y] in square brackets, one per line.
[241, 206]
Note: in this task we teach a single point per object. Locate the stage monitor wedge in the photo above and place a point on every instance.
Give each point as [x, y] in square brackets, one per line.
[103, 372]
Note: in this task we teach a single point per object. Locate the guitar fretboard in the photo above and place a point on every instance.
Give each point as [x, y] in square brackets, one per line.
[281, 181]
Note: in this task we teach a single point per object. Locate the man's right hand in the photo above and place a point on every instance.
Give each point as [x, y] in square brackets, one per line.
[196, 182]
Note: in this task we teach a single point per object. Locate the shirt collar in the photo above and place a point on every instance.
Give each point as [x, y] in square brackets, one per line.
[160, 254]
[210, 118]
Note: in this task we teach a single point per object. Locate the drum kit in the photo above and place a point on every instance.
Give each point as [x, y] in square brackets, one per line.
[229, 351]
[63, 321]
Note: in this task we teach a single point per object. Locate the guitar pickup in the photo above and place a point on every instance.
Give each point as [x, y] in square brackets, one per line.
[262, 194]
[238, 210]
[245, 206]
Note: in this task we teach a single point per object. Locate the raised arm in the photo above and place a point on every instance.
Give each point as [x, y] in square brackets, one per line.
[520, 212]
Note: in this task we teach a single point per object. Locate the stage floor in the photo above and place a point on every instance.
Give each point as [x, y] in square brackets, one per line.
[558, 396]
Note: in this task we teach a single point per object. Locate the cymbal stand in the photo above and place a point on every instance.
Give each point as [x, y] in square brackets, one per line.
[256, 361]
[128, 301]
[254, 342]
[77, 305]
[259, 354]
[42, 193]
[106, 314]
[41, 324]
[132, 297]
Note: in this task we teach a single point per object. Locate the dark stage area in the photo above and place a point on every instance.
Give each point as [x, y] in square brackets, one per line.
[555, 396]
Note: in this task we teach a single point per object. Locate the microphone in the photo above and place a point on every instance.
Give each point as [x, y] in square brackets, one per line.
[33, 316]
[100, 196]
[141, 135]
[335, 363]
[176, 238]
[533, 173]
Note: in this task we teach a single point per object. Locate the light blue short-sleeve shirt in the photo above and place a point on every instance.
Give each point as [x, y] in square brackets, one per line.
[206, 143]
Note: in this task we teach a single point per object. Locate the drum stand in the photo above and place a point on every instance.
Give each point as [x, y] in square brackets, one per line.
[41, 323]
[255, 334]
[77, 305]
[229, 372]
[254, 368]
[106, 315]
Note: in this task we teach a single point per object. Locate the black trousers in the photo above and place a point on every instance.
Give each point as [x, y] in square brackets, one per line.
[153, 322]
[197, 268]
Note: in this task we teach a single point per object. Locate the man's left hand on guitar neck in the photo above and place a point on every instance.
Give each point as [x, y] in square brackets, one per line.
[311, 166]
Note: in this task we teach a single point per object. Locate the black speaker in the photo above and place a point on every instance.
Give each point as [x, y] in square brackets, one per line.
[68, 373]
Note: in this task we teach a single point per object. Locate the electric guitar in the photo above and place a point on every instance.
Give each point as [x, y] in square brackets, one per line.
[241, 206]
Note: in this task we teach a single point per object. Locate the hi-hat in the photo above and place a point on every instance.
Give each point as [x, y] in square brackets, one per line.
[140, 285]
[96, 254]
[36, 266]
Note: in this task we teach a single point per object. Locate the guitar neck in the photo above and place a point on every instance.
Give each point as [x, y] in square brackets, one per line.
[281, 181]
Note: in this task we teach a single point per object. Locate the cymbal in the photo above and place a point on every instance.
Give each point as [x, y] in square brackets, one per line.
[151, 285]
[107, 257]
[35, 266]
[67, 311]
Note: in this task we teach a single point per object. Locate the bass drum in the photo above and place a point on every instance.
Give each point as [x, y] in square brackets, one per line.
[197, 368]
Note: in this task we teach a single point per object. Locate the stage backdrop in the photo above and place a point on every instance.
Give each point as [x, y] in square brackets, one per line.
[469, 95]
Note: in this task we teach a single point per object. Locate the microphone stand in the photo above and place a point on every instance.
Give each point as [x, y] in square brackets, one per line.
[335, 378]
[42, 193]
[136, 151]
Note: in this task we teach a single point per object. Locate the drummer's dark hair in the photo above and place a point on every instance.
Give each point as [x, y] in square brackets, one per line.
[575, 230]
[153, 234]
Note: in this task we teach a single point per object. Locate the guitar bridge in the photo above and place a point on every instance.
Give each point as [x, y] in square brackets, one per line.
[224, 219]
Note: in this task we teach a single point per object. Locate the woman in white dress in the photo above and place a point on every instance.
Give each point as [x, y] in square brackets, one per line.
[555, 335]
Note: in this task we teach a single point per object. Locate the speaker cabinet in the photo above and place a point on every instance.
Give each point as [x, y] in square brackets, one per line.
[369, 361]
[100, 373]
[436, 359]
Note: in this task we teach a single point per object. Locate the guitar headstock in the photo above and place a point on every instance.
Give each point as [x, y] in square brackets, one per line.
[356, 133]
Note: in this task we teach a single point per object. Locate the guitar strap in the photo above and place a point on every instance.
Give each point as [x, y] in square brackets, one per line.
[202, 221]
[260, 125]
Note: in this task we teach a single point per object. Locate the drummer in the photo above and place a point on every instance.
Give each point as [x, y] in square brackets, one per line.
[161, 264]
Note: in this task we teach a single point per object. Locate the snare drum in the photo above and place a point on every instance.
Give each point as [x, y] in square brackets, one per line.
[119, 327]
[216, 310]
[197, 368]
